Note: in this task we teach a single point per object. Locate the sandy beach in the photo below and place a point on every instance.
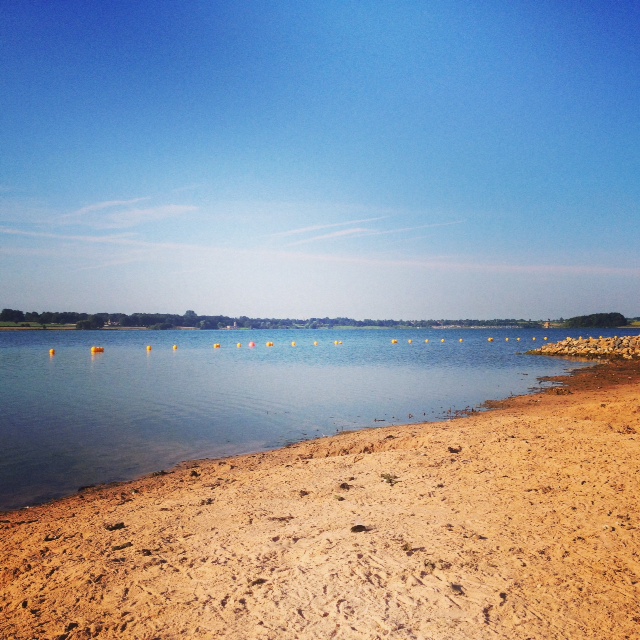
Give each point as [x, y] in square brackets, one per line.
[520, 522]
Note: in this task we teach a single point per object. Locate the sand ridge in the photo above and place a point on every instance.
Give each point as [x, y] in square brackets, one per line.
[517, 523]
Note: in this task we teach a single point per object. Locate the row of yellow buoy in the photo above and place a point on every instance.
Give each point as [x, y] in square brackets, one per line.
[339, 342]
[517, 339]
[394, 341]
[217, 345]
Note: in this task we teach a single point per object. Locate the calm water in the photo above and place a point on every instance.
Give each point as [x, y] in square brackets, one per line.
[75, 419]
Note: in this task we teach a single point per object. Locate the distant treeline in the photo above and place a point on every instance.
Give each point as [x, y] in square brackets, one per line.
[596, 320]
[192, 320]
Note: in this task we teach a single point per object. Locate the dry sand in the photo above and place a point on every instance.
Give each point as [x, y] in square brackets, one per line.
[517, 523]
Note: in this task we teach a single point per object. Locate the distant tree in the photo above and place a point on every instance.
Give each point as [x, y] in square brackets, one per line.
[162, 326]
[129, 321]
[11, 315]
[214, 322]
[190, 318]
[92, 322]
[604, 320]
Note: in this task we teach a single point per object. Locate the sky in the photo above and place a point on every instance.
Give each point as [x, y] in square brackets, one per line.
[368, 159]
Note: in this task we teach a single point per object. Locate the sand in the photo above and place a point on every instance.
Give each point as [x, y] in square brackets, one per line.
[521, 522]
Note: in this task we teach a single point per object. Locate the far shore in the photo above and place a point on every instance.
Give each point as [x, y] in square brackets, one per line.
[72, 327]
[516, 523]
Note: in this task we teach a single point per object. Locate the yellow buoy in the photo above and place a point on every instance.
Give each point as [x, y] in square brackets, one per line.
[410, 341]
[534, 338]
[506, 339]
[216, 345]
[340, 342]
[175, 347]
[293, 344]
[394, 342]
[239, 345]
[269, 344]
[315, 344]
[442, 340]
[52, 352]
[149, 347]
[518, 339]
[545, 338]
[426, 341]
[489, 339]
[461, 340]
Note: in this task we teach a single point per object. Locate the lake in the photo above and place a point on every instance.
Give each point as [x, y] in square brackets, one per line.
[76, 419]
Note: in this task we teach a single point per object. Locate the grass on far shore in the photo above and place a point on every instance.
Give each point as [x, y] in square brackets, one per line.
[34, 326]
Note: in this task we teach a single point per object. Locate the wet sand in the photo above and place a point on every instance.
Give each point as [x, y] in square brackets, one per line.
[521, 522]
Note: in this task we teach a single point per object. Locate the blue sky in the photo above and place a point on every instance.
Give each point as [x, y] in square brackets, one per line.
[297, 159]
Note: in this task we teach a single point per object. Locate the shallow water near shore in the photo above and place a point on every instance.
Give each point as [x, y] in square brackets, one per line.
[76, 419]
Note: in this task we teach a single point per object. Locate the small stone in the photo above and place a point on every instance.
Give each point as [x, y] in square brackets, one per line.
[359, 528]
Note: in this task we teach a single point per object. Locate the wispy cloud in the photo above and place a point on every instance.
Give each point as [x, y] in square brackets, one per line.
[135, 217]
[122, 214]
[449, 264]
[357, 231]
[422, 226]
[363, 231]
[322, 227]
[120, 239]
[441, 264]
[101, 206]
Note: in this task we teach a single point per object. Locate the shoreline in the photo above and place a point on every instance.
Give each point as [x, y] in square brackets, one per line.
[515, 522]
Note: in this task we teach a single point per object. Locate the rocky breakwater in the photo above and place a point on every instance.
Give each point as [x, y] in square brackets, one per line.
[627, 347]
